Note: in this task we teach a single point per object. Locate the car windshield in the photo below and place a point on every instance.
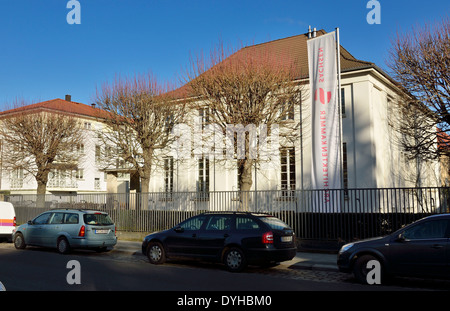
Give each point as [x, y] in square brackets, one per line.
[275, 223]
[98, 219]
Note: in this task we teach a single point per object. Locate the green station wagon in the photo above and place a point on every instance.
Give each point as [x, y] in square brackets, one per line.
[67, 229]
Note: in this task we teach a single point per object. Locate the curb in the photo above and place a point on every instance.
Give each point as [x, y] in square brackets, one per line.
[314, 267]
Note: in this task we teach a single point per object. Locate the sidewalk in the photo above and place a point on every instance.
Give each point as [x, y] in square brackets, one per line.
[303, 260]
[313, 261]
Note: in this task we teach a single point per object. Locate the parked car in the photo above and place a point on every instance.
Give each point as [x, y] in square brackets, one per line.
[67, 229]
[7, 220]
[420, 249]
[233, 238]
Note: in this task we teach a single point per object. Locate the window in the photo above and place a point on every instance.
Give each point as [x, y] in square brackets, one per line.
[97, 219]
[275, 223]
[80, 148]
[204, 117]
[98, 155]
[168, 174]
[246, 223]
[287, 112]
[203, 176]
[344, 165]
[427, 230]
[79, 174]
[343, 102]
[42, 219]
[57, 218]
[193, 223]
[287, 171]
[70, 218]
[169, 123]
[219, 222]
[17, 178]
[97, 183]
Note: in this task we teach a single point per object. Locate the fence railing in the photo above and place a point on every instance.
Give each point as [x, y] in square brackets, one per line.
[341, 215]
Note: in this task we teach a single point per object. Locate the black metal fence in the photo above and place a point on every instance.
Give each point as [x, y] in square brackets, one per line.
[337, 215]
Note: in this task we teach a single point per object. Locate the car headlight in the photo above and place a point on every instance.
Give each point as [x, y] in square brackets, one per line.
[346, 247]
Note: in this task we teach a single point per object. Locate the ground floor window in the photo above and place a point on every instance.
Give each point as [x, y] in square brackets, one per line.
[287, 158]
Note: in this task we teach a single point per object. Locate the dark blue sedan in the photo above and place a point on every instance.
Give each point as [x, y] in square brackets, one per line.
[420, 249]
[233, 238]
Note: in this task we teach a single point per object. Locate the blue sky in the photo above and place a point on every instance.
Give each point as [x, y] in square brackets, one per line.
[43, 57]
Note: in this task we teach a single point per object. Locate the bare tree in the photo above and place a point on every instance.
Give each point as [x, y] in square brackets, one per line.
[251, 87]
[420, 61]
[38, 141]
[139, 117]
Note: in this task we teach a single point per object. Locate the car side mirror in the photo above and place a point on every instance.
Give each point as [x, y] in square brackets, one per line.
[179, 229]
[30, 222]
[400, 238]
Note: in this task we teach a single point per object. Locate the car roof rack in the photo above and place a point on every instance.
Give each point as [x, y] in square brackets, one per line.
[74, 209]
[235, 212]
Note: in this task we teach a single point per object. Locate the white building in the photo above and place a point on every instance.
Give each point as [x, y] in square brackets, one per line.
[86, 178]
[372, 157]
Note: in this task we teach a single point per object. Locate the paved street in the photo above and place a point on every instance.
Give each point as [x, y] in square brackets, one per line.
[125, 268]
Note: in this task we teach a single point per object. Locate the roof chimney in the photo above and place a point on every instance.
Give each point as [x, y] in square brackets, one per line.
[68, 98]
[314, 32]
[309, 32]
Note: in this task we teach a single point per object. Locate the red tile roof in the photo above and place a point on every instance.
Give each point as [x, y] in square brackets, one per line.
[59, 105]
[443, 141]
[293, 49]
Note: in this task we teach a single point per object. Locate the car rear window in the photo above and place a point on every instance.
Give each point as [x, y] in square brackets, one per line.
[275, 223]
[97, 219]
[246, 223]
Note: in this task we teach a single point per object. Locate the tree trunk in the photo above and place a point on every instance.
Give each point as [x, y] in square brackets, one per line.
[245, 182]
[145, 185]
[41, 190]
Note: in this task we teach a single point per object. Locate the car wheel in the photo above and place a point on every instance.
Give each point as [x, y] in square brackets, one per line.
[360, 269]
[234, 260]
[155, 253]
[63, 245]
[19, 241]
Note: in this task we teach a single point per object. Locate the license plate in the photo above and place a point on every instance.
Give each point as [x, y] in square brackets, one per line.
[102, 231]
[286, 239]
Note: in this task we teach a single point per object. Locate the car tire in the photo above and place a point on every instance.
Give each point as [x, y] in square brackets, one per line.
[19, 241]
[234, 259]
[62, 245]
[155, 253]
[361, 271]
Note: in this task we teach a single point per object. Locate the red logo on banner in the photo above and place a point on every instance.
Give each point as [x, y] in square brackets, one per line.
[322, 96]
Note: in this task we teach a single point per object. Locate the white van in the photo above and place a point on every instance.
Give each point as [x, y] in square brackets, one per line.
[7, 220]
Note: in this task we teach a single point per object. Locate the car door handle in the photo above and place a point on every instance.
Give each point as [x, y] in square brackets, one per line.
[194, 235]
[437, 246]
[226, 235]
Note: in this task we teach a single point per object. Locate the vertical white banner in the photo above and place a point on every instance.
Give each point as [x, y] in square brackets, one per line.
[326, 155]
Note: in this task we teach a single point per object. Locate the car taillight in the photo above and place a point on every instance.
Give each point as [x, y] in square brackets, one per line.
[267, 238]
[14, 221]
[82, 231]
